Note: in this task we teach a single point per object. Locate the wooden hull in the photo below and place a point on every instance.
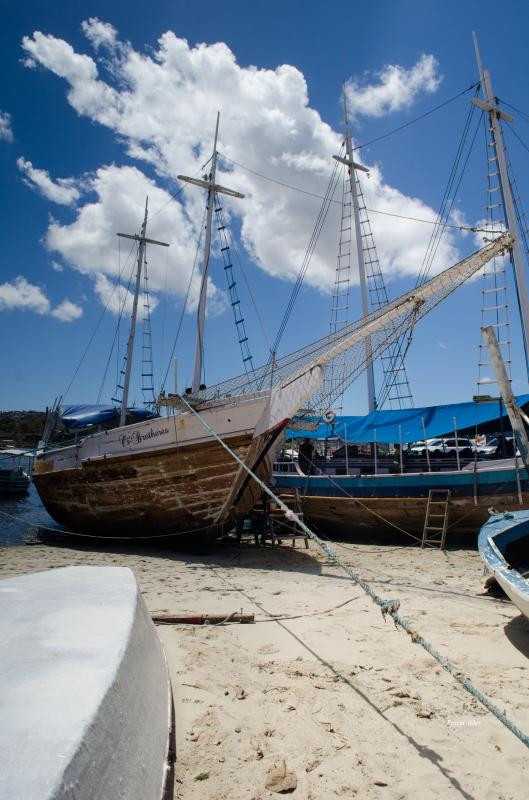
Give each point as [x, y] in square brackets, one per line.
[347, 516]
[184, 489]
[347, 504]
[170, 475]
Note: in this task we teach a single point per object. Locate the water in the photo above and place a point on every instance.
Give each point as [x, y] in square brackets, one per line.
[20, 516]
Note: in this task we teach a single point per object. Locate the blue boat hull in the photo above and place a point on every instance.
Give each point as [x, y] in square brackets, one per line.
[13, 482]
[504, 547]
[345, 504]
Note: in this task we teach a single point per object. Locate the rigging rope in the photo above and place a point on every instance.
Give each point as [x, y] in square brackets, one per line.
[118, 348]
[164, 308]
[388, 607]
[91, 339]
[512, 130]
[417, 119]
[374, 513]
[233, 294]
[338, 202]
[117, 331]
[186, 298]
[235, 249]
[63, 532]
[399, 356]
[322, 216]
[402, 312]
[518, 110]
[443, 214]
[448, 199]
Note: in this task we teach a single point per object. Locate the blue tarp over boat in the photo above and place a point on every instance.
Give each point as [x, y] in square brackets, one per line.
[83, 416]
[406, 424]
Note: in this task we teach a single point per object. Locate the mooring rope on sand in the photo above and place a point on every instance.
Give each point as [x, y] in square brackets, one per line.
[388, 607]
[142, 537]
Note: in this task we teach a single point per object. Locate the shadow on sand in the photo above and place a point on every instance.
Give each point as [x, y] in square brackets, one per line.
[284, 558]
[517, 632]
[228, 553]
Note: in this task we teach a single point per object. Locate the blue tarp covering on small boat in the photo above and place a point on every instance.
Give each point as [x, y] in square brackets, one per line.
[83, 416]
[406, 424]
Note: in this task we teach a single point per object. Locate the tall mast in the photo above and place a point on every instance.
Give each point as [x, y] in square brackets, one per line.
[495, 114]
[212, 187]
[201, 315]
[130, 345]
[352, 167]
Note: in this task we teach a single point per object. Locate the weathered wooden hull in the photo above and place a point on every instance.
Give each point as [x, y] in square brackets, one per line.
[170, 475]
[344, 516]
[348, 504]
[189, 488]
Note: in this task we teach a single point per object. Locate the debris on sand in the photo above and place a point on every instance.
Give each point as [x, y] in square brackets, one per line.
[280, 780]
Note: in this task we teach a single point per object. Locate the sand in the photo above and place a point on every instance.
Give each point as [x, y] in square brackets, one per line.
[346, 700]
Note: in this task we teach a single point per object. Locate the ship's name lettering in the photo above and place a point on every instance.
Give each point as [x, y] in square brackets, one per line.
[137, 437]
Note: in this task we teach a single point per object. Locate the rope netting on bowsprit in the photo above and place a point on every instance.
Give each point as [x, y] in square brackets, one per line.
[383, 327]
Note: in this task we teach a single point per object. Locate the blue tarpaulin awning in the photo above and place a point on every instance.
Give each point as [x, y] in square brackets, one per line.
[406, 424]
[83, 416]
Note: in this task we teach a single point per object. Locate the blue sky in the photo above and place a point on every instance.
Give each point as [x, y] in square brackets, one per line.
[101, 112]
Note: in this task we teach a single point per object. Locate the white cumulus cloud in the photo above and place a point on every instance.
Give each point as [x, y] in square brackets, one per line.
[67, 311]
[99, 33]
[6, 131]
[63, 191]
[395, 88]
[90, 243]
[20, 295]
[162, 105]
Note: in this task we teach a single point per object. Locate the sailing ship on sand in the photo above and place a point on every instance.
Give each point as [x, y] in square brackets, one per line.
[428, 495]
[169, 475]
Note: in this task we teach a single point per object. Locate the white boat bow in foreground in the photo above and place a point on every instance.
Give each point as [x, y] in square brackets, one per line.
[85, 694]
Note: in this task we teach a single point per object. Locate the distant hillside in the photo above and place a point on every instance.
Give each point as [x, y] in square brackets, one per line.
[21, 428]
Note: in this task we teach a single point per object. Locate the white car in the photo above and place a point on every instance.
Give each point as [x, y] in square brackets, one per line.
[492, 447]
[419, 448]
[444, 447]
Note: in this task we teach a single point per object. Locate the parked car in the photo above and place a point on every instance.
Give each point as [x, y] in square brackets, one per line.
[443, 447]
[492, 448]
[432, 445]
[417, 449]
[462, 446]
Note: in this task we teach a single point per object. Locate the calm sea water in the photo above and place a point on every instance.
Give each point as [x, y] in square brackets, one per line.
[21, 516]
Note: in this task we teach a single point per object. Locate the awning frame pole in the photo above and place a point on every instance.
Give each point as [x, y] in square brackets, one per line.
[426, 445]
[457, 446]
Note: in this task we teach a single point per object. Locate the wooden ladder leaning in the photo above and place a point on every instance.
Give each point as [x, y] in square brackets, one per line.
[437, 511]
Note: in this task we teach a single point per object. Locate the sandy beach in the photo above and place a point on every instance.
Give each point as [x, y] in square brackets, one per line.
[346, 700]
